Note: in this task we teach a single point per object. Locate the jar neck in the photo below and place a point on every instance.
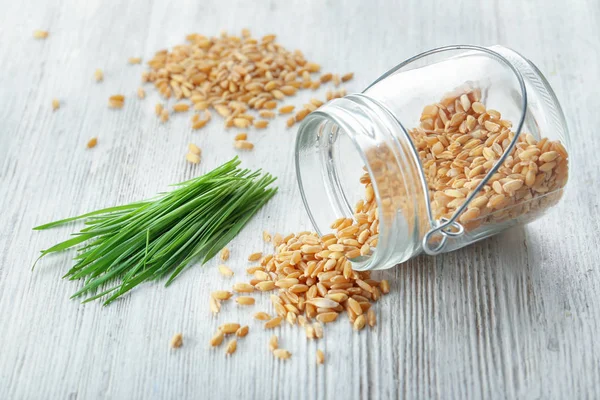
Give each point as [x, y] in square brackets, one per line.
[332, 146]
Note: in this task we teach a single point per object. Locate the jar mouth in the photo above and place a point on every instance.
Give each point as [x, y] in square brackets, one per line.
[331, 150]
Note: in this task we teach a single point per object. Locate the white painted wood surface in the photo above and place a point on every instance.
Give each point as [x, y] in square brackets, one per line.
[516, 316]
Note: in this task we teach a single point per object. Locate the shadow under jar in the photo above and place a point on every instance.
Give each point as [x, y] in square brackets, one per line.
[450, 147]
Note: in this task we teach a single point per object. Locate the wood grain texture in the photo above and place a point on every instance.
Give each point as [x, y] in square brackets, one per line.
[515, 316]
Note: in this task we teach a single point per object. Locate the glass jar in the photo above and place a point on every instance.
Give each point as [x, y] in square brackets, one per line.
[459, 143]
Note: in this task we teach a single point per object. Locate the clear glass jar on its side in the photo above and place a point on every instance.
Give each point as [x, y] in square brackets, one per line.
[458, 143]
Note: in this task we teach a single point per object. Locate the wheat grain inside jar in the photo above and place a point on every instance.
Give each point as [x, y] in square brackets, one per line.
[450, 147]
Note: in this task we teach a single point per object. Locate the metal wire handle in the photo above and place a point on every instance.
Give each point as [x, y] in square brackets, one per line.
[449, 227]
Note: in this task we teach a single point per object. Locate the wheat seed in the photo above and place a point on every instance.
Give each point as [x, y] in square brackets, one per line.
[214, 305]
[224, 254]
[242, 287]
[92, 143]
[243, 331]
[265, 286]
[320, 357]
[326, 77]
[177, 341]
[192, 158]
[266, 114]
[229, 328]
[273, 343]
[255, 256]
[359, 323]
[262, 316]
[164, 115]
[116, 101]
[225, 271]
[282, 354]
[134, 60]
[262, 124]
[336, 80]
[385, 286]
[222, 294]
[98, 75]
[231, 347]
[245, 300]
[39, 34]
[327, 317]
[243, 145]
[347, 77]
[274, 322]
[217, 339]
[371, 317]
[181, 107]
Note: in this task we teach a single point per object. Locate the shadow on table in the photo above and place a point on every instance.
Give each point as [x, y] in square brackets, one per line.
[472, 315]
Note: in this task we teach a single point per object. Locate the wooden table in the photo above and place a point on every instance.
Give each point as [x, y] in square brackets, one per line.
[515, 316]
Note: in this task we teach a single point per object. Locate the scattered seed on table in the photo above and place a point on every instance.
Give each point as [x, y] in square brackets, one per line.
[229, 327]
[241, 136]
[40, 34]
[273, 343]
[286, 109]
[243, 331]
[359, 323]
[225, 254]
[243, 145]
[181, 107]
[266, 236]
[347, 77]
[265, 286]
[266, 114]
[192, 158]
[336, 80]
[176, 341]
[261, 124]
[316, 102]
[255, 256]
[274, 322]
[320, 357]
[300, 115]
[282, 354]
[371, 317]
[214, 305]
[55, 104]
[217, 339]
[194, 149]
[327, 317]
[134, 60]
[241, 122]
[222, 294]
[318, 329]
[116, 101]
[231, 347]
[98, 75]
[199, 124]
[385, 286]
[92, 143]
[262, 316]
[326, 77]
[245, 300]
[242, 287]
[141, 93]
